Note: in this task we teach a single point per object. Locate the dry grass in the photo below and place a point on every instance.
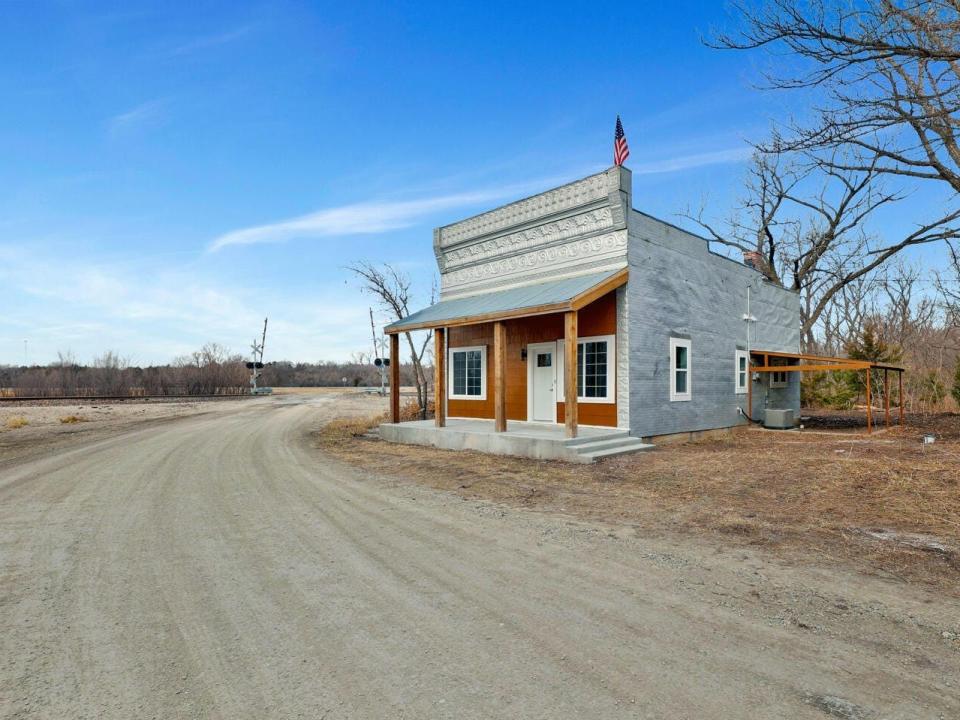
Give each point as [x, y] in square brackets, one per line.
[72, 419]
[17, 421]
[811, 496]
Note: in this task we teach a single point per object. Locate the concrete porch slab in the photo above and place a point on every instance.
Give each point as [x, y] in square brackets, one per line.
[542, 441]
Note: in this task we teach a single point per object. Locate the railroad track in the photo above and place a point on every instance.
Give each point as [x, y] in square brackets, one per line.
[5, 398]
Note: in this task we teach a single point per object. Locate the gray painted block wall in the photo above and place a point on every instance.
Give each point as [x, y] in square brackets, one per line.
[678, 288]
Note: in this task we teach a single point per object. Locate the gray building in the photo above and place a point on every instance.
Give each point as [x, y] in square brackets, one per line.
[573, 288]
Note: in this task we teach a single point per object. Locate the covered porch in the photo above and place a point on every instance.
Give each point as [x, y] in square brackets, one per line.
[498, 329]
[542, 441]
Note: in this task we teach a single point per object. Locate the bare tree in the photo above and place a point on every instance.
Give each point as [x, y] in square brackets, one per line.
[108, 379]
[805, 222]
[888, 73]
[948, 284]
[393, 289]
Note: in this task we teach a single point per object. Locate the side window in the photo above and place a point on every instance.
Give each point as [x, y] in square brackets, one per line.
[680, 369]
[778, 379]
[741, 371]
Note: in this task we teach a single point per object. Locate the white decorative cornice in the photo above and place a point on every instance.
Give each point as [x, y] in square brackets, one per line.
[549, 233]
[534, 265]
[566, 197]
[568, 229]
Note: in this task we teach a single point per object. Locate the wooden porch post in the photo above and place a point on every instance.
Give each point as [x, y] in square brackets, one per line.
[886, 398]
[499, 377]
[570, 372]
[395, 378]
[900, 378]
[869, 405]
[439, 377]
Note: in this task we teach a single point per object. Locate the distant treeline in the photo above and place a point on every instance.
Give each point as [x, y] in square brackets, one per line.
[209, 371]
[328, 374]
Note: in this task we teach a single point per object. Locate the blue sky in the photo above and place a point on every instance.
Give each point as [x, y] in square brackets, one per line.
[172, 173]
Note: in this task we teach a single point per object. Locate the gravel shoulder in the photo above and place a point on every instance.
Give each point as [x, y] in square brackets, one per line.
[221, 566]
[32, 429]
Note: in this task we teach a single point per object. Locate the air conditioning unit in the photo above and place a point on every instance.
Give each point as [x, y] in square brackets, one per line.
[779, 419]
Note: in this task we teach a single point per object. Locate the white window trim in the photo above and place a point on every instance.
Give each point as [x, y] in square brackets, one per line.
[674, 395]
[611, 397]
[741, 389]
[483, 372]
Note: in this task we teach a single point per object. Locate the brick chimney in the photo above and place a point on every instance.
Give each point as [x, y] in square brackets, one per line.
[752, 259]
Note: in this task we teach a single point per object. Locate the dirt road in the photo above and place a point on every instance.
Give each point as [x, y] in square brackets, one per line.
[219, 566]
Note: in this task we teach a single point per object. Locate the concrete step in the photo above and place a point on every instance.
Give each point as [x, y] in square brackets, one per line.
[604, 443]
[607, 447]
[584, 439]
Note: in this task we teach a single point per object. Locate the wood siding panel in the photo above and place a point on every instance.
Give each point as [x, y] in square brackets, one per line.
[597, 318]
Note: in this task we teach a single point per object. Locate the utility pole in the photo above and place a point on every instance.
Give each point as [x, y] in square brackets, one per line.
[257, 364]
[376, 355]
[25, 362]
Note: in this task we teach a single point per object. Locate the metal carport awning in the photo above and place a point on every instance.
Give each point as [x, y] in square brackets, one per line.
[543, 298]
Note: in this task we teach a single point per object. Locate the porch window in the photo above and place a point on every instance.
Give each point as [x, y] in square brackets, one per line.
[596, 369]
[468, 376]
[592, 369]
[741, 371]
[680, 380]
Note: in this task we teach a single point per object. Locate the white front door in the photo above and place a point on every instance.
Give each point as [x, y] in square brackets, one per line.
[543, 382]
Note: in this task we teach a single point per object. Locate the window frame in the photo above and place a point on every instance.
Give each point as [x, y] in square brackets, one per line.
[774, 382]
[483, 372]
[611, 397]
[687, 395]
[738, 356]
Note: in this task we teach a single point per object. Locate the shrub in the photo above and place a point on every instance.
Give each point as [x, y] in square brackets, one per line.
[17, 421]
[71, 419]
[929, 390]
[833, 390]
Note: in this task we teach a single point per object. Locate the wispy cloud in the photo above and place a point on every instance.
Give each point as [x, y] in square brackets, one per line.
[145, 114]
[153, 316]
[687, 162]
[365, 218]
[205, 42]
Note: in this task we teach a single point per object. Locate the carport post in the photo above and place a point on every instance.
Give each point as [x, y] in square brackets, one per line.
[900, 379]
[869, 405]
[886, 397]
[394, 378]
[570, 373]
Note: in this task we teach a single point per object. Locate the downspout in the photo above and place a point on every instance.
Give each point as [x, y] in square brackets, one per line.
[748, 318]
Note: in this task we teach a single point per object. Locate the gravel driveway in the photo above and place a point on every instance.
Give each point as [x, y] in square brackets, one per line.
[218, 565]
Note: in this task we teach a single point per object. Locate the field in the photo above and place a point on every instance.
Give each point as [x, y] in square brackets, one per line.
[886, 504]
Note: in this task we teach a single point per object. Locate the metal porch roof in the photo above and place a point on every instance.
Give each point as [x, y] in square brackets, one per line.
[542, 298]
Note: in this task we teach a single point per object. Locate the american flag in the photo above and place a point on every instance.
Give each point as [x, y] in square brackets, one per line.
[620, 150]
